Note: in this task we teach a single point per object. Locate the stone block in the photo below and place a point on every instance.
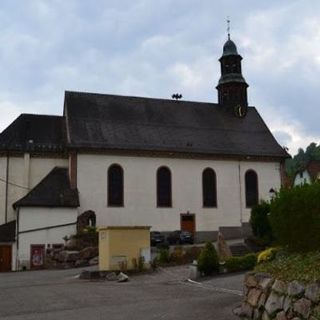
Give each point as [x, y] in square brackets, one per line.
[256, 314]
[302, 307]
[122, 277]
[94, 261]
[250, 280]
[265, 284]
[280, 287]
[281, 316]
[111, 276]
[68, 256]
[253, 297]
[265, 316]
[274, 303]
[246, 311]
[81, 263]
[89, 253]
[313, 292]
[287, 304]
[295, 289]
[262, 300]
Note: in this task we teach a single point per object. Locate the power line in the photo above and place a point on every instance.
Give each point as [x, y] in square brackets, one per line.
[14, 184]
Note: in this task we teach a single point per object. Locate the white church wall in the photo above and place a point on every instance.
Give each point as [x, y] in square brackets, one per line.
[31, 218]
[24, 173]
[140, 190]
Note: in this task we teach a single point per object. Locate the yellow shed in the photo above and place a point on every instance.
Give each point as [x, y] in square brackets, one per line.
[121, 247]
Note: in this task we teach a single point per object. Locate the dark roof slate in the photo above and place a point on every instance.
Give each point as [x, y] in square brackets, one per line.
[100, 121]
[8, 232]
[54, 190]
[30, 132]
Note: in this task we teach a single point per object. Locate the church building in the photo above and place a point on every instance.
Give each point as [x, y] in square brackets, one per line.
[168, 164]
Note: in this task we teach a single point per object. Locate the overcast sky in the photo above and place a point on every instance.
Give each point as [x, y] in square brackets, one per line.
[154, 48]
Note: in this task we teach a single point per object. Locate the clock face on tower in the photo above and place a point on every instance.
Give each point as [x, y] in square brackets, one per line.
[240, 110]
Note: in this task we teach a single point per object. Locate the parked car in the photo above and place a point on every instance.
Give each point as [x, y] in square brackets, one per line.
[180, 237]
[156, 238]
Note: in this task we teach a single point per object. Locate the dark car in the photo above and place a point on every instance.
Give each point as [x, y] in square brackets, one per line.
[156, 238]
[180, 237]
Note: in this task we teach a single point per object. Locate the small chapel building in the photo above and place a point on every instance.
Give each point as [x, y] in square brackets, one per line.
[168, 164]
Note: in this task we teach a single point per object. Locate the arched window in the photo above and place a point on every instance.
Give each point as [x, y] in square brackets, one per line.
[251, 182]
[115, 186]
[209, 188]
[164, 187]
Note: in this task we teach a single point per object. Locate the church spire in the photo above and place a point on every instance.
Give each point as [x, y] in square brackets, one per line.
[232, 87]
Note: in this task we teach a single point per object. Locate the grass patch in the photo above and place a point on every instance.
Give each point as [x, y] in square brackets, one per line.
[289, 267]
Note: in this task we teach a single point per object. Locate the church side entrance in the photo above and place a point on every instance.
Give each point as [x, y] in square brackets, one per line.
[188, 222]
[5, 258]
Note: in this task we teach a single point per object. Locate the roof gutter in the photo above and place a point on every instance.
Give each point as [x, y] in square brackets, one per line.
[7, 189]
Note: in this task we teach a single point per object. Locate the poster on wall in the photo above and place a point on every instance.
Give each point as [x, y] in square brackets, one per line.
[37, 256]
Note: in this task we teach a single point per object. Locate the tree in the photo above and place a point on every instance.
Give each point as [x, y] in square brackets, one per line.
[301, 159]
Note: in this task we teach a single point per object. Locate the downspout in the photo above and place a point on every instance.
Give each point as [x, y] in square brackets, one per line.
[7, 190]
[241, 213]
[17, 239]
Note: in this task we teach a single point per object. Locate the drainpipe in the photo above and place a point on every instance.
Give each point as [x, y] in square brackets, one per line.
[7, 190]
[17, 239]
[241, 213]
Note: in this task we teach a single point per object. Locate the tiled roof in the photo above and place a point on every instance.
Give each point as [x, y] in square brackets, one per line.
[313, 167]
[100, 121]
[8, 232]
[53, 191]
[30, 132]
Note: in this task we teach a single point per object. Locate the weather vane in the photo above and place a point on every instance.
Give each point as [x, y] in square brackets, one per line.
[228, 27]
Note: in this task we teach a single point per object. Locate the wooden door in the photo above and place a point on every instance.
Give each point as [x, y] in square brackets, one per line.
[37, 256]
[188, 222]
[5, 258]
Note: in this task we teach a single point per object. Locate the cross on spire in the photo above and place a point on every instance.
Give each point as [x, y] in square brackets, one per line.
[228, 27]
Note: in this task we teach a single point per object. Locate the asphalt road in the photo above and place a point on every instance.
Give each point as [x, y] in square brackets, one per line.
[161, 295]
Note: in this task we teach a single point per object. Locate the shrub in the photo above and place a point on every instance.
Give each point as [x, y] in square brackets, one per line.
[260, 223]
[164, 256]
[247, 262]
[295, 218]
[208, 261]
[177, 256]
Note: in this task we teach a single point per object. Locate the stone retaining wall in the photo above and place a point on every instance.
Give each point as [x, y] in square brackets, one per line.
[266, 298]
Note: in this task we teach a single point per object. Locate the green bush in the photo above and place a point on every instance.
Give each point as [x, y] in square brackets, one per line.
[208, 261]
[260, 223]
[295, 218]
[247, 262]
[164, 256]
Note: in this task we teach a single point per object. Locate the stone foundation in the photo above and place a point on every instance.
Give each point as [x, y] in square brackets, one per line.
[267, 298]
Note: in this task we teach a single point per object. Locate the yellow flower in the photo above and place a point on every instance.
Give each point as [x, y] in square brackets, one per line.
[267, 254]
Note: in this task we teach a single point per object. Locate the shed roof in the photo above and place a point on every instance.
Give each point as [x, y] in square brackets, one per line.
[54, 190]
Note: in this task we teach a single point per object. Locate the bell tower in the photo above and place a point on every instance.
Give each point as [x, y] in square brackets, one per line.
[232, 87]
